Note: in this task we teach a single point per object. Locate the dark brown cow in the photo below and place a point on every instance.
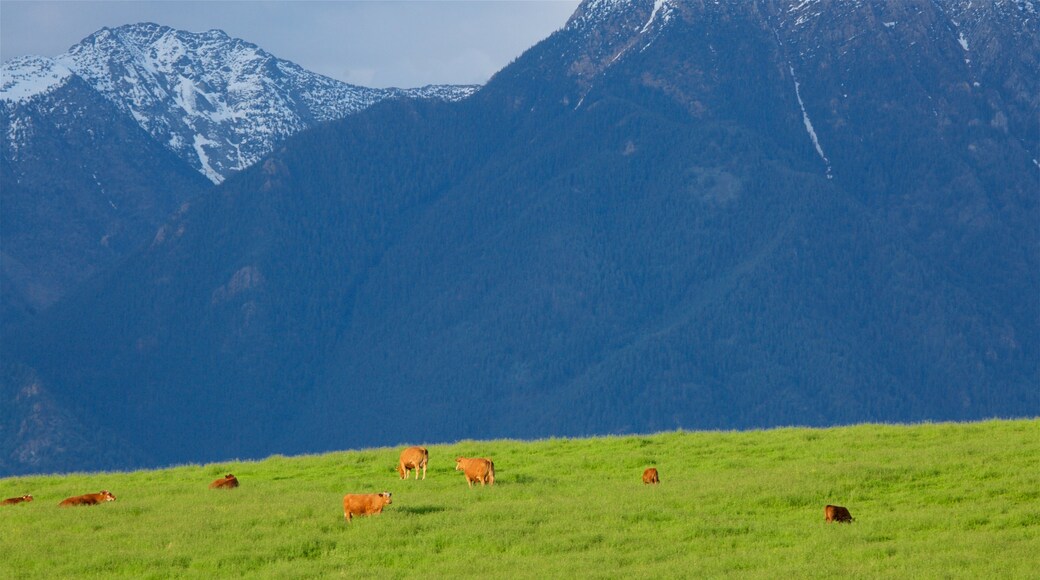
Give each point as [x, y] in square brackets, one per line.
[88, 499]
[365, 504]
[227, 482]
[836, 513]
[17, 500]
[413, 458]
[650, 476]
[480, 469]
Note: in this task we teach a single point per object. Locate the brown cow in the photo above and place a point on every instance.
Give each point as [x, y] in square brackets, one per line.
[413, 458]
[365, 504]
[88, 499]
[480, 469]
[16, 500]
[650, 476]
[836, 513]
[227, 482]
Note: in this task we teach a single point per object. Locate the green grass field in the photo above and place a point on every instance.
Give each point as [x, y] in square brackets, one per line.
[935, 500]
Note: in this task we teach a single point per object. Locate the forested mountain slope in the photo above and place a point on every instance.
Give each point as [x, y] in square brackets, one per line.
[667, 214]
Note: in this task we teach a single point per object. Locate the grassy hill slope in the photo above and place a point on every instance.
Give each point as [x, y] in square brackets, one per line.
[951, 500]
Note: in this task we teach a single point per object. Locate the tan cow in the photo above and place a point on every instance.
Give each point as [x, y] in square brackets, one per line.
[413, 458]
[227, 482]
[17, 500]
[365, 504]
[836, 513]
[480, 469]
[88, 499]
[650, 476]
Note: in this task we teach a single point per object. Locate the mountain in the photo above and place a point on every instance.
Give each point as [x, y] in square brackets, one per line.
[93, 161]
[83, 185]
[220, 103]
[698, 215]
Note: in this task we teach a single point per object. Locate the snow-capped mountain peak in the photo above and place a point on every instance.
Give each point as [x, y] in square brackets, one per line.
[218, 102]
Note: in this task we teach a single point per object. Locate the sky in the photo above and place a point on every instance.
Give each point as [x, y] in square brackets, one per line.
[373, 43]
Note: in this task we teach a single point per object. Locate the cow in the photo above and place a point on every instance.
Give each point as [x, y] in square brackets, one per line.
[17, 500]
[413, 458]
[836, 513]
[227, 482]
[480, 469]
[650, 476]
[365, 504]
[88, 499]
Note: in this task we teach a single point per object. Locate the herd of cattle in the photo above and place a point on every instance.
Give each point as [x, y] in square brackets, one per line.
[476, 469]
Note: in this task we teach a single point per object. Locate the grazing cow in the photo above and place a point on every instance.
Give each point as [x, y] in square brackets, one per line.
[413, 458]
[16, 500]
[364, 504]
[88, 499]
[836, 513]
[227, 482]
[479, 469]
[650, 476]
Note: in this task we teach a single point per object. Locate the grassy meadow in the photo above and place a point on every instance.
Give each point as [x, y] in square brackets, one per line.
[933, 500]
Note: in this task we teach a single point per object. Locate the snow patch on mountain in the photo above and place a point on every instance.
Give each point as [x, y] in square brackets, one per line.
[199, 145]
[25, 77]
[602, 32]
[593, 13]
[808, 123]
[662, 8]
[962, 41]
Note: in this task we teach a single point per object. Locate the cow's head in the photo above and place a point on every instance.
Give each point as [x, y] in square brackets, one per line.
[27, 497]
[107, 495]
[458, 463]
[386, 497]
[229, 476]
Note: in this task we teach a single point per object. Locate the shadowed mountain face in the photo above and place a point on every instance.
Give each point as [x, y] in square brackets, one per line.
[696, 215]
[83, 186]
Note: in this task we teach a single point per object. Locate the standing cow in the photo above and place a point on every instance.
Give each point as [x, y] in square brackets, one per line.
[413, 458]
[364, 504]
[17, 500]
[480, 469]
[88, 499]
[836, 513]
[229, 481]
[650, 476]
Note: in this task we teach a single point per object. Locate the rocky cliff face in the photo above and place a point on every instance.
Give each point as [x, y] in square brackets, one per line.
[38, 433]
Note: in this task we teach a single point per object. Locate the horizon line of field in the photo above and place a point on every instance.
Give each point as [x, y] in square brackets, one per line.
[534, 441]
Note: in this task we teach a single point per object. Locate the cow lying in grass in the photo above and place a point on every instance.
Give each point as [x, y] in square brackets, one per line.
[88, 499]
[17, 500]
[364, 504]
[229, 481]
[836, 513]
[479, 469]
